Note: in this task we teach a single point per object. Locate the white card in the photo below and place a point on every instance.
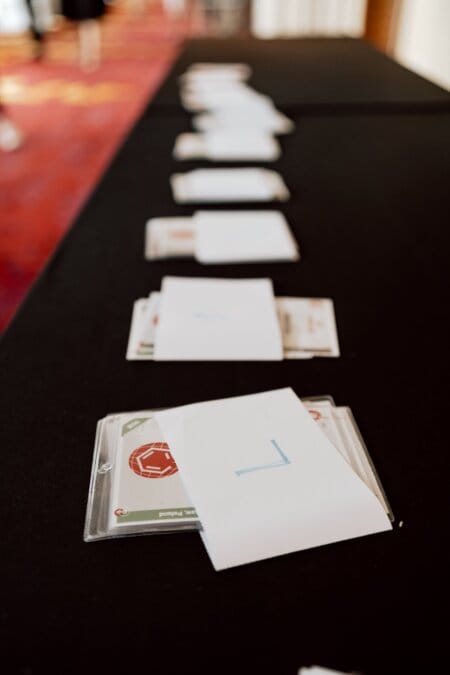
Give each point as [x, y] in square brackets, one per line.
[216, 71]
[226, 95]
[228, 185]
[217, 320]
[140, 309]
[146, 486]
[318, 670]
[207, 87]
[169, 237]
[267, 119]
[146, 313]
[265, 480]
[243, 236]
[227, 146]
[309, 326]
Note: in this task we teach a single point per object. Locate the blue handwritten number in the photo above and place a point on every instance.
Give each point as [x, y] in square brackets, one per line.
[281, 462]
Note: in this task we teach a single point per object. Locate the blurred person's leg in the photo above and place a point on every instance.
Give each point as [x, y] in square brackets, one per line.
[87, 14]
[89, 44]
[36, 32]
[11, 137]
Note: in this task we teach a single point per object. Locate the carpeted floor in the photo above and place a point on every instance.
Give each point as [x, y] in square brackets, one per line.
[73, 122]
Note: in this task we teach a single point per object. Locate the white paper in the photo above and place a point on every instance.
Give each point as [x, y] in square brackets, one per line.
[146, 312]
[216, 71]
[228, 145]
[243, 236]
[229, 95]
[264, 479]
[228, 185]
[262, 119]
[217, 320]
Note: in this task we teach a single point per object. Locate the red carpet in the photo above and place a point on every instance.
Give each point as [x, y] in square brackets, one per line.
[73, 123]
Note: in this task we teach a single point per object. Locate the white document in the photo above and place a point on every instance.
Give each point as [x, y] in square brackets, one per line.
[243, 236]
[217, 320]
[227, 146]
[228, 185]
[264, 479]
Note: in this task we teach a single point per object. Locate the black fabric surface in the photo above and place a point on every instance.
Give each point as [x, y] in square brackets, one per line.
[370, 209]
[313, 73]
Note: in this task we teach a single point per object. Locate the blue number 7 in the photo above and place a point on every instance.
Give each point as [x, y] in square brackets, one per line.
[281, 462]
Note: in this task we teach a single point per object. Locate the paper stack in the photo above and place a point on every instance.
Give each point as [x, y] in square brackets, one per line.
[224, 145]
[220, 93]
[229, 319]
[228, 185]
[261, 475]
[237, 124]
[214, 237]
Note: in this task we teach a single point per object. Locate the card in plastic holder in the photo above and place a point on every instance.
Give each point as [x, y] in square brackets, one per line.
[137, 489]
[135, 485]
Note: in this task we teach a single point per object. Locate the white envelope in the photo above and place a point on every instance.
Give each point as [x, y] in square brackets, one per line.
[243, 236]
[217, 320]
[228, 185]
[227, 145]
[264, 479]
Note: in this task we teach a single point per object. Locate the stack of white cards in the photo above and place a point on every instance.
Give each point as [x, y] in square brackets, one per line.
[226, 103]
[237, 124]
[260, 475]
[213, 237]
[228, 185]
[229, 320]
[227, 146]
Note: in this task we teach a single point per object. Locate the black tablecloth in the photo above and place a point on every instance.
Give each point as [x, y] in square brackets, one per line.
[370, 209]
[314, 72]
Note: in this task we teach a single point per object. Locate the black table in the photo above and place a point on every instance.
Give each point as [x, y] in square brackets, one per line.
[370, 209]
[314, 73]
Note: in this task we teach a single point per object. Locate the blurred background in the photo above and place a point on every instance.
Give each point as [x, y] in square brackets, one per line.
[74, 75]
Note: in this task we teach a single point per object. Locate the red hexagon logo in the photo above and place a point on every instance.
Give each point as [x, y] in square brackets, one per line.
[152, 460]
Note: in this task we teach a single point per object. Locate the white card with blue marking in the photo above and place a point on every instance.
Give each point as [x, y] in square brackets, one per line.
[265, 480]
[217, 320]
